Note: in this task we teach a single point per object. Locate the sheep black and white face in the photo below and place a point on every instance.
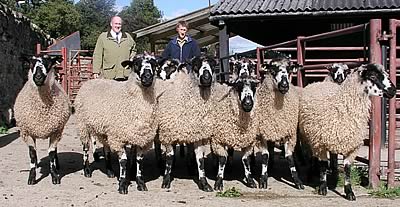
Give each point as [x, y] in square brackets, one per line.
[376, 80]
[204, 67]
[144, 67]
[339, 72]
[246, 88]
[40, 67]
[280, 70]
[168, 69]
[245, 67]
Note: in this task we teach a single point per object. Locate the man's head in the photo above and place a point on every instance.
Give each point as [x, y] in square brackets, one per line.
[182, 27]
[116, 24]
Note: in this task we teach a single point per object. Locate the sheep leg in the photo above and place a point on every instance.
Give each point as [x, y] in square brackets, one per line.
[141, 185]
[85, 137]
[182, 150]
[87, 172]
[107, 158]
[219, 185]
[246, 163]
[96, 155]
[200, 155]
[229, 161]
[55, 176]
[271, 158]
[347, 180]
[289, 157]
[33, 156]
[323, 168]
[123, 180]
[333, 165]
[169, 158]
[264, 163]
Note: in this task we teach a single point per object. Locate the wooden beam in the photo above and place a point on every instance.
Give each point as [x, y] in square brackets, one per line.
[207, 41]
[223, 48]
[166, 32]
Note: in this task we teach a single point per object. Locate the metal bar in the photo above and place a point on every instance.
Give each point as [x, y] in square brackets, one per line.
[375, 123]
[319, 66]
[384, 100]
[64, 66]
[223, 49]
[335, 33]
[392, 104]
[300, 60]
[282, 44]
[325, 48]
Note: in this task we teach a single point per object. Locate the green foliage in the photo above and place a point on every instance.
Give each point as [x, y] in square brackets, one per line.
[229, 193]
[356, 175]
[95, 18]
[57, 17]
[3, 128]
[384, 192]
[140, 14]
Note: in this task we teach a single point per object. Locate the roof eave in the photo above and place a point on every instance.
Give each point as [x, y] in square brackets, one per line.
[214, 18]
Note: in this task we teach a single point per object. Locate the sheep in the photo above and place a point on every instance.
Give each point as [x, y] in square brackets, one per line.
[333, 118]
[181, 114]
[233, 124]
[120, 114]
[337, 73]
[42, 109]
[277, 114]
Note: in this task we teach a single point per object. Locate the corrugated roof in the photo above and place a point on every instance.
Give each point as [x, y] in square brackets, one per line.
[233, 7]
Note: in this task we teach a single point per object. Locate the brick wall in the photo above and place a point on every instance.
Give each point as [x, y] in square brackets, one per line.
[17, 36]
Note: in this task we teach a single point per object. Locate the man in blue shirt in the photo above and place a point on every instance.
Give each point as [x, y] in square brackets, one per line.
[182, 47]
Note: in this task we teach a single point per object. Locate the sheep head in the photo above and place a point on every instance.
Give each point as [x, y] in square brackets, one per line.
[168, 68]
[41, 68]
[203, 68]
[376, 80]
[245, 87]
[144, 68]
[280, 69]
[338, 72]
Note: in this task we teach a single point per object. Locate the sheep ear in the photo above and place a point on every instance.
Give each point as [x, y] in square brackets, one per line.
[54, 60]
[212, 62]
[295, 67]
[127, 63]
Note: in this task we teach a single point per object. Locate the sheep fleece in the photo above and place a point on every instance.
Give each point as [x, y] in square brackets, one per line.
[41, 114]
[182, 112]
[334, 118]
[231, 126]
[277, 113]
[121, 111]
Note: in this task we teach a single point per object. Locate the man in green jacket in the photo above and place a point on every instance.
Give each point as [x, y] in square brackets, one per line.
[111, 49]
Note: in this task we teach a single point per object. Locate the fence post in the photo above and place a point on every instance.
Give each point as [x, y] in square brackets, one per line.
[300, 60]
[376, 121]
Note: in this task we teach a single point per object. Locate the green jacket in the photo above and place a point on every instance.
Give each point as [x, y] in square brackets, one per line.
[108, 55]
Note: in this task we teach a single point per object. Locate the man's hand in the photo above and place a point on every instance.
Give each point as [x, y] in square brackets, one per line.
[95, 75]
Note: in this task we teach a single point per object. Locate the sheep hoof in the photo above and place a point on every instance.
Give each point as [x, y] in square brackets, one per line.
[141, 186]
[55, 178]
[322, 189]
[204, 186]
[349, 193]
[32, 177]
[250, 182]
[166, 181]
[87, 172]
[110, 173]
[123, 186]
[219, 184]
[299, 185]
[96, 156]
[264, 182]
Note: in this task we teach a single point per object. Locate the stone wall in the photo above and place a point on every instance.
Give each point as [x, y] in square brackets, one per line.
[17, 36]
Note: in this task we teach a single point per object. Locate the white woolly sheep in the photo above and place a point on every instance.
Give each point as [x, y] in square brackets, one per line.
[42, 109]
[277, 114]
[233, 124]
[337, 73]
[120, 114]
[181, 113]
[334, 118]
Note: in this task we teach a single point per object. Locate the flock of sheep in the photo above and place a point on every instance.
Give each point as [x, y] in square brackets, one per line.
[169, 103]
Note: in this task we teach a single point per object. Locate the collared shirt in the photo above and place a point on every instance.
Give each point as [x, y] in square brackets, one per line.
[115, 35]
[181, 42]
